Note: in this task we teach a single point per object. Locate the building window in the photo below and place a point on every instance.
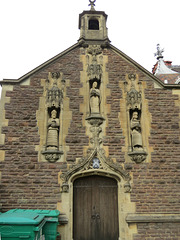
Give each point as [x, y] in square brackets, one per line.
[93, 24]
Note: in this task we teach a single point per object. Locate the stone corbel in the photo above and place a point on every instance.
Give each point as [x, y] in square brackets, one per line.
[137, 157]
[52, 155]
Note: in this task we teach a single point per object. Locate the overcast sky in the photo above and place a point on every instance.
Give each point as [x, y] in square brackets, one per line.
[33, 31]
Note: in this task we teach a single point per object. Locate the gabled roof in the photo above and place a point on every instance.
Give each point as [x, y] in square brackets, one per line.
[127, 58]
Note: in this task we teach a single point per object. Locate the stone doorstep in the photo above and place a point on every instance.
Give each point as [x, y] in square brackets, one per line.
[153, 218]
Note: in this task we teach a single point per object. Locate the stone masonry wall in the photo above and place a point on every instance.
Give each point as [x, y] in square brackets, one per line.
[158, 231]
[156, 183]
[25, 182]
[29, 183]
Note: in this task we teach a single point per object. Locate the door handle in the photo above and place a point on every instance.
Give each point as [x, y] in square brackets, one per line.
[95, 216]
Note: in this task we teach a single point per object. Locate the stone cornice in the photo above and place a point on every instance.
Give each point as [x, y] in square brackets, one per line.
[153, 218]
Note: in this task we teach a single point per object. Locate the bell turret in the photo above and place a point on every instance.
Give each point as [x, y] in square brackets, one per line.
[92, 25]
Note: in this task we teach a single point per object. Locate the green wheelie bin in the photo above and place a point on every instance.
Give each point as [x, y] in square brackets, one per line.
[17, 225]
[49, 229]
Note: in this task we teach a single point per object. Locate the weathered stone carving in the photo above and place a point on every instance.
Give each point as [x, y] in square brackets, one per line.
[54, 94]
[134, 99]
[136, 137]
[65, 187]
[138, 157]
[94, 70]
[52, 155]
[95, 99]
[134, 112]
[54, 97]
[53, 131]
[127, 187]
[94, 50]
[96, 140]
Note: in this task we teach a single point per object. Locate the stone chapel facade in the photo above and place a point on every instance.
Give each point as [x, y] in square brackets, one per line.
[95, 135]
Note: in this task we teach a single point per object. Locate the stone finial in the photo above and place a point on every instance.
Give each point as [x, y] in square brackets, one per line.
[92, 5]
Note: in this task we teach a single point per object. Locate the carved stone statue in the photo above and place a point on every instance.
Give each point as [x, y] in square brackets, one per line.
[94, 99]
[53, 131]
[136, 136]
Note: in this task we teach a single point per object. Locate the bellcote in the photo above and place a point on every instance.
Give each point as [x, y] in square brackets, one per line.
[92, 25]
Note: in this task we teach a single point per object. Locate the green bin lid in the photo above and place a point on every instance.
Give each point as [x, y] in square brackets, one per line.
[21, 218]
[46, 213]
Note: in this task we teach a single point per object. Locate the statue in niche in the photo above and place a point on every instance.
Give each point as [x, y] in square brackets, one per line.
[95, 99]
[53, 131]
[136, 136]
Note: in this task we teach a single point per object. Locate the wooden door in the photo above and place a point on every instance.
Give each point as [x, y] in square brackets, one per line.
[95, 209]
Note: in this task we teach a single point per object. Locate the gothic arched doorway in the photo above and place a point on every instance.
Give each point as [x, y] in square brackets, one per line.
[95, 208]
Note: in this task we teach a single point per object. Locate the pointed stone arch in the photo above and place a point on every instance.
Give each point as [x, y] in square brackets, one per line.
[103, 166]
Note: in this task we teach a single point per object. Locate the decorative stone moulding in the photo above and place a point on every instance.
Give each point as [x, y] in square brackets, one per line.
[137, 157]
[95, 120]
[94, 69]
[54, 94]
[52, 155]
[134, 116]
[95, 163]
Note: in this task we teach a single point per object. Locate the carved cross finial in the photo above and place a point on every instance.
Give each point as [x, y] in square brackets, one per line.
[159, 52]
[92, 4]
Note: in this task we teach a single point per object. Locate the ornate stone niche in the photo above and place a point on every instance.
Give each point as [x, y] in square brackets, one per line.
[94, 75]
[54, 96]
[134, 112]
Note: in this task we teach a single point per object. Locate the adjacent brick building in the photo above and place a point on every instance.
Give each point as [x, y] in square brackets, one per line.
[95, 135]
